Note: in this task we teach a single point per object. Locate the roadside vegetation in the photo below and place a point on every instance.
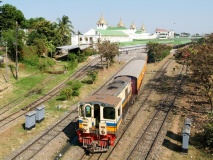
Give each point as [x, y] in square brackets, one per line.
[157, 52]
[199, 57]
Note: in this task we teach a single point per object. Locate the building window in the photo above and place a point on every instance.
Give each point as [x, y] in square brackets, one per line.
[86, 39]
[80, 39]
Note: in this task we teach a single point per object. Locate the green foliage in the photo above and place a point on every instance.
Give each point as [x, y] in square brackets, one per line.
[73, 61]
[9, 38]
[41, 48]
[66, 92]
[205, 138]
[30, 23]
[72, 89]
[64, 28]
[156, 51]
[8, 17]
[89, 52]
[108, 50]
[93, 75]
[30, 57]
[76, 85]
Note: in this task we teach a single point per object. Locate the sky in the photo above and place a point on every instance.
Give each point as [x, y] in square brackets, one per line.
[191, 16]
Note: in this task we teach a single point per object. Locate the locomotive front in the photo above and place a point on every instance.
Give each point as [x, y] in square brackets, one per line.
[99, 119]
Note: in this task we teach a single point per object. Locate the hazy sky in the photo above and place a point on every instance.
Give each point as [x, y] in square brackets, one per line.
[192, 16]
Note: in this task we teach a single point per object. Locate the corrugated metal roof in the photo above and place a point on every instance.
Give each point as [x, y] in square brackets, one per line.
[133, 68]
[107, 100]
[70, 47]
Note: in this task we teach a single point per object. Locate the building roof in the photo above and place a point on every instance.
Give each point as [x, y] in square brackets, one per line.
[112, 33]
[70, 47]
[161, 30]
[133, 68]
[108, 100]
[116, 28]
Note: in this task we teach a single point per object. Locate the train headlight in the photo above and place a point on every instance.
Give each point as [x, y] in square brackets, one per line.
[102, 132]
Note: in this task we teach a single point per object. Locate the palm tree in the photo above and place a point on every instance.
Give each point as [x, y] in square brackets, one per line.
[64, 30]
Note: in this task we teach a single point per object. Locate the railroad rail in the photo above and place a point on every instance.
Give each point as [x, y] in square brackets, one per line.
[19, 113]
[145, 143]
[17, 101]
[44, 139]
[145, 95]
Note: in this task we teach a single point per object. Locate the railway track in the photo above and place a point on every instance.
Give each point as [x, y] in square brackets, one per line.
[19, 100]
[32, 149]
[19, 113]
[158, 75]
[148, 135]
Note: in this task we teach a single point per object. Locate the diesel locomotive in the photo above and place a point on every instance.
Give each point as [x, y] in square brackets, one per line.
[101, 114]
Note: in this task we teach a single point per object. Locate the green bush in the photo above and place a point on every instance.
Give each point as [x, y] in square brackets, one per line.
[93, 75]
[207, 135]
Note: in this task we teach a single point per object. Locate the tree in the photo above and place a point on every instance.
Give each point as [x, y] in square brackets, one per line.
[64, 30]
[108, 51]
[9, 37]
[200, 60]
[156, 51]
[8, 17]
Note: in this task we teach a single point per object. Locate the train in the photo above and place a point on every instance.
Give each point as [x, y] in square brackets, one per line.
[101, 114]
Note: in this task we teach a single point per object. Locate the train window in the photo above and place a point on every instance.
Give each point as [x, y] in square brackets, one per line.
[109, 113]
[88, 111]
[119, 111]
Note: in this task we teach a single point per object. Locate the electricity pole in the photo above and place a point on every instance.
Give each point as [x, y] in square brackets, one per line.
[16, 51]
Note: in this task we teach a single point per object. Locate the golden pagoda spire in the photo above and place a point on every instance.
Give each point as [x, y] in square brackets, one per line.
[133, 26]
[143, 28]
[121, 24]
[101, 20]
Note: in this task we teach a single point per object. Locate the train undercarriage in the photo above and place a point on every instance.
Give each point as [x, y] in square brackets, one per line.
[94, 142]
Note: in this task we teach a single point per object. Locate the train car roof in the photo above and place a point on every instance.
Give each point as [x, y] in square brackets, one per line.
[133, 68]
[108, 100]
[142, 56]
[114, 88]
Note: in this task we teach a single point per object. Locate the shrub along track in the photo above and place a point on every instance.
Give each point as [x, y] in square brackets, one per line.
[79, 74]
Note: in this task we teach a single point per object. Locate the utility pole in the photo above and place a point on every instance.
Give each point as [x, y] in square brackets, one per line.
[6, 61]
[16, 50]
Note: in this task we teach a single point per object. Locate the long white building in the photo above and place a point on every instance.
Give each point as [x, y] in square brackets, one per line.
[114, 34]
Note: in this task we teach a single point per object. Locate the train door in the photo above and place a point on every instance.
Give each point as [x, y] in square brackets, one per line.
[96, 115]
[134, 85]
[88, 114]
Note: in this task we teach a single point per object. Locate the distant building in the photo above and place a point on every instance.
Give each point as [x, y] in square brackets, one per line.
[164, 34]
[118, 33]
